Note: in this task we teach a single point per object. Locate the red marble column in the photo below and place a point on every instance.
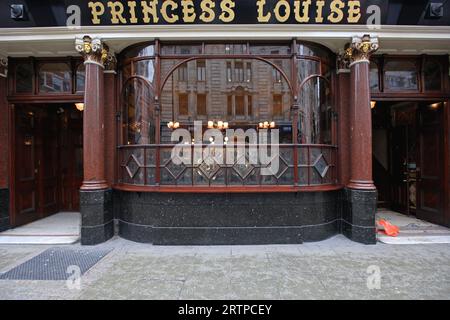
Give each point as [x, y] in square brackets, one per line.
[94, 53]
[110, 120]
[360, 116]
[343, 102]
[4, 125]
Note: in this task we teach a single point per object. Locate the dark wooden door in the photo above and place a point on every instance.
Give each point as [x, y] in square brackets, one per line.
[430, 186]
[36, 163]
[26, 165]
[71, 141]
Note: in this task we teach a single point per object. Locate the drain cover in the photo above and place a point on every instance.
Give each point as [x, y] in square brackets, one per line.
[54, 263]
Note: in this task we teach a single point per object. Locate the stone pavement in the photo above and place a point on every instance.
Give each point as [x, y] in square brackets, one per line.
[333, 269]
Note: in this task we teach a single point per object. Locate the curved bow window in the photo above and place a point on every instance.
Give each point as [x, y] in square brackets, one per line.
[218, 97]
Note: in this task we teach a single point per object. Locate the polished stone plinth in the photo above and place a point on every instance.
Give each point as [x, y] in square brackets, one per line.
[4, 210]
[97, 221]
[220, 219]
[358, 215]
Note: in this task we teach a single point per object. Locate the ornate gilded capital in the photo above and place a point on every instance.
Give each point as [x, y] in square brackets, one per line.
[361, 49]
[92, 49]
[109, 59]
[343, 62]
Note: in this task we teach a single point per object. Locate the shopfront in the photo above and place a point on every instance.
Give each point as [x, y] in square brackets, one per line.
[265, 122]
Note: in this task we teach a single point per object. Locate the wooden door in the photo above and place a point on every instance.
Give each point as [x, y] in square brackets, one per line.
[430, 186]
[36, 163]
[26, 193]
[71, 141]
[47, 144]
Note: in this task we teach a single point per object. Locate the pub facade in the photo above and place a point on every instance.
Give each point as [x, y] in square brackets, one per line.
[183, 122]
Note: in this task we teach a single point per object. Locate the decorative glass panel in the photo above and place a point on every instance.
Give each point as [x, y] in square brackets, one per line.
[146, 69]
[315, 114]
[55, 77]
[374, 80]
[432, 76]
[24, 77]
[81, 77]
[400, 75]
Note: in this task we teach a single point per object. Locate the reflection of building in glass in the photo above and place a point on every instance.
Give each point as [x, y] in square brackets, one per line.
[241, 91]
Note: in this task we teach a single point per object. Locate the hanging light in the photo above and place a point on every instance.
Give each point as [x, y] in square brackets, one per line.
[79, 106]
[373, 104]
[173, 125]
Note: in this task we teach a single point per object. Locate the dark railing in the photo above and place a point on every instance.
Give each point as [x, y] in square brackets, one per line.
[298, 166]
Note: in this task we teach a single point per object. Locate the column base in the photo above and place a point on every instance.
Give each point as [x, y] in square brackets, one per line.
[358, 216]
[4, 210]
[97, 221]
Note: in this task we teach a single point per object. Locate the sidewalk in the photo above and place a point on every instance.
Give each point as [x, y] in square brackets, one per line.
[333, 269]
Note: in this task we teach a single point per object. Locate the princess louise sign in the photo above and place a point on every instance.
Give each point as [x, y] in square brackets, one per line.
[232, 11]
[75, 13]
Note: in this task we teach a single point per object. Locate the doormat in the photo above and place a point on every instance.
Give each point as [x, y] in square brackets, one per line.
[56, 264]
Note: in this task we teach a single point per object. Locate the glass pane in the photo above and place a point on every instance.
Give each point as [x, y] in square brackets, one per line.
[432, 74]
[146, 69]
[270, 49]
[181, 49]
[400, 75]
[306, 68]
[145, 50]
[81, 76]
[315, 112]
[374, 86]
[55, 77]
[244, 101]
[24, 77]
[138, 117]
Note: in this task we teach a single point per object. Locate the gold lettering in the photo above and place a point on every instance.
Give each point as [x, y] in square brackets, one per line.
[132, 6]
[188, 11]
[287, 11]
[304, 17]
[354, 11]
[173, 5]
[208, 13]
[227, 14]
[336, 14]
[97, 9]
[261, 16]
[116, 8]
[319, 16]
[149, 9]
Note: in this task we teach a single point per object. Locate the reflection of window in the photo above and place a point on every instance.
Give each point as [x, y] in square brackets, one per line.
[240, 104]
[276, 75]
[250, 105]
[201, 104]
[229, 72]
[239, 72]
[183, 72]
[400, 75]
[55, 77]
[183, 104]
[230, 105]
[248, 75]
[277, 105]
[201, 70]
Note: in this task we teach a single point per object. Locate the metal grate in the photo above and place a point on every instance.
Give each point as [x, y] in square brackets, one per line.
[54, 263]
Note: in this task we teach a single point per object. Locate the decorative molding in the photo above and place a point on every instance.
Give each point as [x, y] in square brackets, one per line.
[93, 50]
[4, 67]
[342, 62]
[361, 48]
[110, 62]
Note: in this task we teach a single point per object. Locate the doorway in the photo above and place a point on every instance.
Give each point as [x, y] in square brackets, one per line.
[47, 160]
[408, 158]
